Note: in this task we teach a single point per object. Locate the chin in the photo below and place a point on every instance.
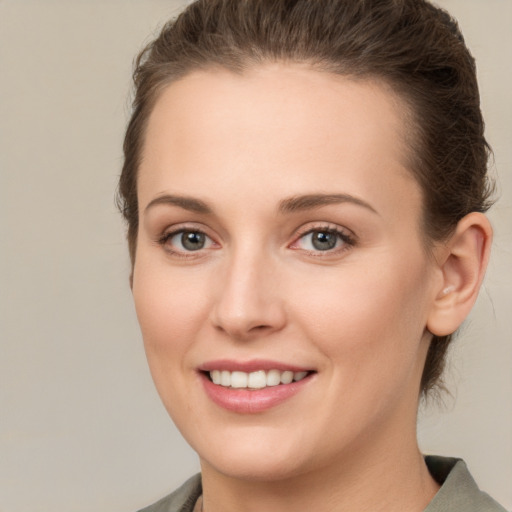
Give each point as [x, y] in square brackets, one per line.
[260, 469]
[262, 459]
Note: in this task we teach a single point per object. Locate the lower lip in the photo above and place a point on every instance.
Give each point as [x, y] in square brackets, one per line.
[247, 401]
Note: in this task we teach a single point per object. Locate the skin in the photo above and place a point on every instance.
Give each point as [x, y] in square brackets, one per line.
[356, 315]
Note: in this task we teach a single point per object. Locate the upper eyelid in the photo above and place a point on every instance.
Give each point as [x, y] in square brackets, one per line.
[324, 226]
[186, 226]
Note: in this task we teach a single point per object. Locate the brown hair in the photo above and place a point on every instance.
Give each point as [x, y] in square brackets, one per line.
[411, 45]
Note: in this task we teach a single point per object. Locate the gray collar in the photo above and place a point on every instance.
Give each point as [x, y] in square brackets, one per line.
[458, 492]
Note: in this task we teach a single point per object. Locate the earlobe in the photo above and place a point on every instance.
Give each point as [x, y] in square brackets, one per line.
[462, 263]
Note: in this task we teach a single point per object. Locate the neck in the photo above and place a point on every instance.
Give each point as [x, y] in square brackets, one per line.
[372, 481]
[383, 471]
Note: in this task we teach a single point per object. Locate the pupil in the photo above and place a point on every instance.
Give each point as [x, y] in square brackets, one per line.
[323, 240]
[192, 241]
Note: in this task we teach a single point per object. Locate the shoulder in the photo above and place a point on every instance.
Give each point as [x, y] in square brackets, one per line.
[458, 492]
[182, 499]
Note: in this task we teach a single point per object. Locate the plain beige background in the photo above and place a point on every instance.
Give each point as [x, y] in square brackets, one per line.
[81, 427]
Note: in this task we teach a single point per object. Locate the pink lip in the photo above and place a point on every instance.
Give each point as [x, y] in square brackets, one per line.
[246, 401]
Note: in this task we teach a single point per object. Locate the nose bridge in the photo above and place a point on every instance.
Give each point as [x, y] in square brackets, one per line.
[248, 301]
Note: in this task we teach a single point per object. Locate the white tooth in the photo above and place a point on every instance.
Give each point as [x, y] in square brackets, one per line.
[239, 380]
[257, 380]
[273, 378]
[225, 378]
[286, 377]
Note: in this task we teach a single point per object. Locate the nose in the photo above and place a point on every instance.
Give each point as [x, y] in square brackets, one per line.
[249, 302]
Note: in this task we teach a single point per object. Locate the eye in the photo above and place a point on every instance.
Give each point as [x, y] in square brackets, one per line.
[186, 240]
[323, 240]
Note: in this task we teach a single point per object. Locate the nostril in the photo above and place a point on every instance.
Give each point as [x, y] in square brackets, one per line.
[242, 317]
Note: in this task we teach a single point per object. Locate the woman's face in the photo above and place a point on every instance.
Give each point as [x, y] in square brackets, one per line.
[280, 238]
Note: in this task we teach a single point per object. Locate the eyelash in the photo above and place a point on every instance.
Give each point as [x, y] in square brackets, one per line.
[167, 236]
[348, 241]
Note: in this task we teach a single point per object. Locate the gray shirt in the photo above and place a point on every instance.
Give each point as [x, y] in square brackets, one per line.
[458, 492]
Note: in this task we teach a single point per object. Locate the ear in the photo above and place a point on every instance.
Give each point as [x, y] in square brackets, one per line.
[462, 261]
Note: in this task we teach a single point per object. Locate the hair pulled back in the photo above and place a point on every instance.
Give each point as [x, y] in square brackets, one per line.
[411, 45]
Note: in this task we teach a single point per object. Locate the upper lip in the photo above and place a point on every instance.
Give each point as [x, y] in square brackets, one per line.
[252, 365]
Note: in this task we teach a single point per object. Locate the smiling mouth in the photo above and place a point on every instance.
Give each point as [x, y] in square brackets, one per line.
[252, 387]
[259, 379]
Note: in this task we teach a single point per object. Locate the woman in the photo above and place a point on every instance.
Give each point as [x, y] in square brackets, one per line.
[304, 185]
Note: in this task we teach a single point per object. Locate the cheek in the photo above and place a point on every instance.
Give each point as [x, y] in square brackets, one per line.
[170, 307]
[170, 310]
[369, 318]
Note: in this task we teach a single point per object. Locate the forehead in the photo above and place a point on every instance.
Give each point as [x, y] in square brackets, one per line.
[276, 127]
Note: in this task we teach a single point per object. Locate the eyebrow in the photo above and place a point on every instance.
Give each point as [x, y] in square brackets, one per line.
[290, 205]
[311, 201]
[187, 203]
